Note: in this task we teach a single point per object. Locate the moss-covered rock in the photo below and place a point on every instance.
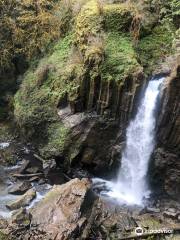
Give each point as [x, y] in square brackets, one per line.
[120, 57]
[97, 67]
[3, 237]
[118, 17]
[155, 46]
[57, 136]
[88, 23]
[38, 97]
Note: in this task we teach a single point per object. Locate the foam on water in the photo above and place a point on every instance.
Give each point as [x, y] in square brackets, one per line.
[4, 145]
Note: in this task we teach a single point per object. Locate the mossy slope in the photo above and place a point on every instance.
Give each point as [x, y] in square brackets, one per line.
[83, 68]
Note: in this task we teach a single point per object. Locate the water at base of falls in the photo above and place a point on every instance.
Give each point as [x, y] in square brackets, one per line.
[131, 185]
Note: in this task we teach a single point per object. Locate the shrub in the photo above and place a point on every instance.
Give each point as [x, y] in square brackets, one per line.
[27, 27]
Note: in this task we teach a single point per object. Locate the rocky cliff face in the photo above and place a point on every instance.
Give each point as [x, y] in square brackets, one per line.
[75, 103]
[166, 165]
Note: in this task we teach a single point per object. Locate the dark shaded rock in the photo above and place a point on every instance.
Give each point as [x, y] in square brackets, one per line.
[20, 188]
[24, 165]
[91, 144]
[165, 173]
[32, 170]
[107, 109]
[48, 166]
[169, 117]
[88, 156]
[165, 168]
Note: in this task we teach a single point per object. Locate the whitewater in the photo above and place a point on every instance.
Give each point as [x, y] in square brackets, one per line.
[131, 185]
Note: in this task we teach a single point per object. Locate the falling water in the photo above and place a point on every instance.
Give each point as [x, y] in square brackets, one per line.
[131, 185]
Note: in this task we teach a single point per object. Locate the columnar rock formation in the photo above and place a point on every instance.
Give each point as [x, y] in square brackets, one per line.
[166, 165]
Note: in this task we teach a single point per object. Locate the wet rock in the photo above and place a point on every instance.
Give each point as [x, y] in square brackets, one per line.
[165, 172]
[48, 166]
[3, 223]
[153, 210]
[22, 201]
[60, 213]
[24, 165]
[32, 170]
[69, 119]
[88, 156]
[79, 173]
[116, 152]
[20, 188]
[169, 214]
[41, 181]
[34, 179]
[172, 210]
[108, 221]
[166, 165]
[21, 217]
[91, 143]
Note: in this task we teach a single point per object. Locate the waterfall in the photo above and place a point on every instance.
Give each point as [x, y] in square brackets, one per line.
[131, 185]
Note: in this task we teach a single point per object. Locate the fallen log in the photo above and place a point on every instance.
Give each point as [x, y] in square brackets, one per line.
[39, 158]
[18, 175]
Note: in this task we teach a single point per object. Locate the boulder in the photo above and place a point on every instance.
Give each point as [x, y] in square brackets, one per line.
[20, 188]
[34, 169]
[24, 165]
[88, 156]
[23, 200]
[165, 173]
[3, 223]
[169, 214]
[21, 216]
[152, 210]
[60, 213]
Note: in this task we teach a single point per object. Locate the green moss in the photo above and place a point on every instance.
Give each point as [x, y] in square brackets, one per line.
[120, 57]
[37, 100]
[3, 237]
[102, 49]
[88, 23]
[57, 136]
[42, 88]
[155, 46]
[118, 17]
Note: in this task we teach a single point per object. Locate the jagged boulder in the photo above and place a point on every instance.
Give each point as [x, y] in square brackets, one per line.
[19, 188]
[60, 213]
[23, 200]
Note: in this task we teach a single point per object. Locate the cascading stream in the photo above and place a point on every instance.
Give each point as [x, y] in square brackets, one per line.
[131, 185]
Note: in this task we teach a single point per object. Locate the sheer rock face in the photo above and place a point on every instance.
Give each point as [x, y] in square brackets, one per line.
[165, 176]
[100, 123]
[166, 165]
[60, 213]
[169, 119]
